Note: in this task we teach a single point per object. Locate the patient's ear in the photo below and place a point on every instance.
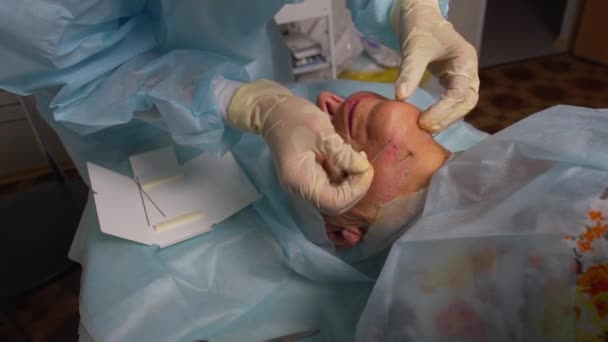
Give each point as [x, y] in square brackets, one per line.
[329, 102]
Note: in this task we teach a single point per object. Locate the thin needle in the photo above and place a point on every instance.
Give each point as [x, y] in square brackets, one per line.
[405, 157]
[136, 180]
[141, 189]
[381, 150]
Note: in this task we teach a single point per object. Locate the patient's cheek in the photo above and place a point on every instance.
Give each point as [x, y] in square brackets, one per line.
[389, 171]
[388, 180]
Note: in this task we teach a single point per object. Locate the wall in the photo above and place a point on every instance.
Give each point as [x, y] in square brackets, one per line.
[591, 42]
[468, 17]
[551, 12]
[569, 23]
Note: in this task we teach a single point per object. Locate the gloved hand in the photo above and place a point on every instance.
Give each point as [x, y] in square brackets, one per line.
[301, 137]
[428, 39]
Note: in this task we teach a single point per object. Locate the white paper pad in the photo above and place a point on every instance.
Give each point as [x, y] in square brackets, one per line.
[205, 191]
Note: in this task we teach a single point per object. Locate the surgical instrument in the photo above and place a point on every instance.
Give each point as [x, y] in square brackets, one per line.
[381, 150]
[142, 191]
[143, 203]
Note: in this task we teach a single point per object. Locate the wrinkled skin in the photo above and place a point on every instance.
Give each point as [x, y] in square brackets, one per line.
[407, 156]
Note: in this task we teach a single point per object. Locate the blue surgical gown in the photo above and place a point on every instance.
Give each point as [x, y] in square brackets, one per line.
[109, 61]
[116, 78]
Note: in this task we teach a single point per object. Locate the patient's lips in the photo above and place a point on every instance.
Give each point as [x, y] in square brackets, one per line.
[349, 108]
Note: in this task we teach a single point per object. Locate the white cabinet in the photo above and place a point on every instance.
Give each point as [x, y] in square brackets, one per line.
[311, 9]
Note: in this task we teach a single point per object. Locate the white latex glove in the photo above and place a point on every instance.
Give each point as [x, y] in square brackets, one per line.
[428, 39]
[301, 137]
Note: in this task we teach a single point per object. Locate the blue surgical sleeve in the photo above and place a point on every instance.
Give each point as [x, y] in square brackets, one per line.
[372, 19]
[109, 62]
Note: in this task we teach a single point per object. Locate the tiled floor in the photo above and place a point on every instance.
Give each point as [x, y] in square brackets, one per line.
[508, 94]
[47, 314]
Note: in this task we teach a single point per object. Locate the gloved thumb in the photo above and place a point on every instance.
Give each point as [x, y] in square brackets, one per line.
[343, 156]
[335, 199]
[413, 66]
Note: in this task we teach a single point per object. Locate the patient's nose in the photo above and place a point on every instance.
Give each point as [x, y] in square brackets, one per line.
[329, 102]
[347, 237]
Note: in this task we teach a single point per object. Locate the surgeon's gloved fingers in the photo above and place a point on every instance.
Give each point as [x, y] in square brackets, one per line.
[413, 65]
[343, 156]
[335, 199]
[302, 140]
[460, 98]
[308, 178]
[305, 176]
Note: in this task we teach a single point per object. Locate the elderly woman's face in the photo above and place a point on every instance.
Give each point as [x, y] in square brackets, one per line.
[406, 158]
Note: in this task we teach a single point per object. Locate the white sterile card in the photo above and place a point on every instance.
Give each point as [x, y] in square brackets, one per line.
[165, 203]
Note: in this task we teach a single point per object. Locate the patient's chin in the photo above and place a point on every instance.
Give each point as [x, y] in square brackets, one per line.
[347, 237]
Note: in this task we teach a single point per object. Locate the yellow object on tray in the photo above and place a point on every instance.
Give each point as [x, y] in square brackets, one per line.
[388, 75]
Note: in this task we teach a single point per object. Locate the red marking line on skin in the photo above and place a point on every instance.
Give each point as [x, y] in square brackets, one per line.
[392, 151]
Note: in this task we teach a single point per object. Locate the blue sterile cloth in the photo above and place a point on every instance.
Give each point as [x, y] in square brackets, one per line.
[489, 260]
[254, 277]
